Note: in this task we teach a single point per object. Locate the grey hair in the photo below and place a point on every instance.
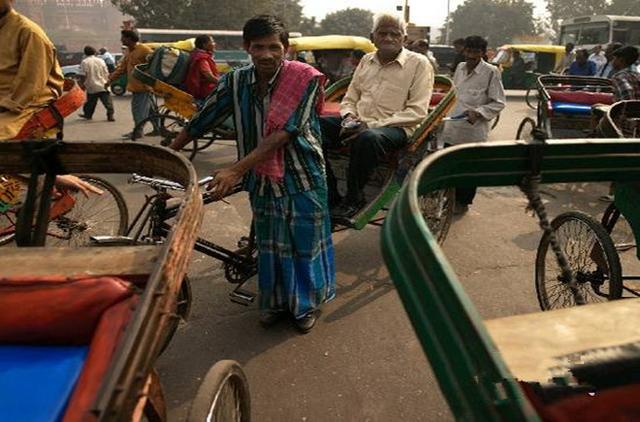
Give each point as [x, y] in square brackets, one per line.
[388, 18]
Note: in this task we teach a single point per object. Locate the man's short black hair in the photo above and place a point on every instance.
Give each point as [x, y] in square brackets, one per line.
[130, 34]
[570, 45]
[421, 43]
[202, 40]
[89, 51]
[629, 54]
[458, 41]
[262, 26]
[582, 52]
[358, 54]
[476, 42]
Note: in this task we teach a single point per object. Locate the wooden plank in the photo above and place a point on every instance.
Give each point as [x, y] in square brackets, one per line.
[89, 261]
[537, 347]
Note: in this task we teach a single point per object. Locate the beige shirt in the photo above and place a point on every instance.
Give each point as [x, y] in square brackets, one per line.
[479, 90]
[96, 74]
[30, 77]
[396, 94]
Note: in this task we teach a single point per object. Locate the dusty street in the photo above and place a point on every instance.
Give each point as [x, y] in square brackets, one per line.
[362, 362]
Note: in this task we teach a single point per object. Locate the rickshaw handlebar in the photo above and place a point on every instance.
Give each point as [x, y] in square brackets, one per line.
[163, 184]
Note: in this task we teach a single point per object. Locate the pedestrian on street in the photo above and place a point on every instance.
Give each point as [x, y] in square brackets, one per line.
[607, 69]
[275, 104]
[480, 98]
[599, 58]
[458, 46]
[108, 58]
[141, 98]
[95, 83]
[567, 59]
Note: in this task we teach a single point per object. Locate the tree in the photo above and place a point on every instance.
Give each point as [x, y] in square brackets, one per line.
[499, 21]
[350, 21]
[625, 7]
[202, 14]
[563, 9]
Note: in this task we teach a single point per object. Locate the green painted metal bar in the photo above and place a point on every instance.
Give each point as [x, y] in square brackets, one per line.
[470, 371]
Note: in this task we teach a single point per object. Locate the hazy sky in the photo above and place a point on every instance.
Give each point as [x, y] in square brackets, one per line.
[423, 12]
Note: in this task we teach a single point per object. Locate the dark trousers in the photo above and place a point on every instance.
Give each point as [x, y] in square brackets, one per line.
[92, 99]
[366, 151]
[465, 196]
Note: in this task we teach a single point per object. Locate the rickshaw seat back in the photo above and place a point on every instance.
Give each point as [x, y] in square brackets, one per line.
[36, 381]
[56, 310]
[571, 108]
[581, 97]
[39, 125]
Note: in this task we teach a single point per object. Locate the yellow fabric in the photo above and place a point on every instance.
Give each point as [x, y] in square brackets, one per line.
[30, 76]
[135, 57]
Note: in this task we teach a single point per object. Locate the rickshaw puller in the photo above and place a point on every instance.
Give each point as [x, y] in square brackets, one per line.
[274, 104]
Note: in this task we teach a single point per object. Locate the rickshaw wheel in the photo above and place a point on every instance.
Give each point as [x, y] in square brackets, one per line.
[105, 214]
[531, 98]
[223, 395]
[592, 257]
[183, 308]
[437, 209]
[525, 130]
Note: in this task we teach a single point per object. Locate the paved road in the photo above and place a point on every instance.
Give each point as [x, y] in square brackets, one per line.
[362, 362]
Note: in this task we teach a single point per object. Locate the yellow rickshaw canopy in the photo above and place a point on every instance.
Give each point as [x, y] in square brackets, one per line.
[332, 42]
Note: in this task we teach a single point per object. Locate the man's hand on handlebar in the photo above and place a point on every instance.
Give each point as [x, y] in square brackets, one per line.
[224, 181]
[75, 184]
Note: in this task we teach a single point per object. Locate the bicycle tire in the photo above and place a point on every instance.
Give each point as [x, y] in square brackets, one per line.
[529, 100]
[437, 210]
[182, 311]
[83, 221]
[223, 395]
[7, 224]
[526, 127]
[169, 127]
[602, 253]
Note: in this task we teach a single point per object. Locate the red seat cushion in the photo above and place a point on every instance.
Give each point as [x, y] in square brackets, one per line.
[331, 109]
[581, 97]
[614, 404]
[56, 310]
[436, 97]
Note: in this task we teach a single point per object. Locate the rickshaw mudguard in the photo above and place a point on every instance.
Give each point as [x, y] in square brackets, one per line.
[470, 370]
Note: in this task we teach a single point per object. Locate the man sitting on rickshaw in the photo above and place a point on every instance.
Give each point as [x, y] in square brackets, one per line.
[625, 80]
[387, 99]
[30, 79]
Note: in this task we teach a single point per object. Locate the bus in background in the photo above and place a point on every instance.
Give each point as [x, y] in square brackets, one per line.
[229, 50]
[589, 31]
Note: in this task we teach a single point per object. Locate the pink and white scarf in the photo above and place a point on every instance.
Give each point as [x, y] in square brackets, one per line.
[292, 83]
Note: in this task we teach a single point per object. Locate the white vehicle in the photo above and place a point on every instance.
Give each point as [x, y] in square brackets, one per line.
[589, 31]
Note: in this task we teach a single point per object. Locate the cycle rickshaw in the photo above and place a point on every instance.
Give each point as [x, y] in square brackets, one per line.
[564, 106]
[580, 363]
[594, 255]
[83, 326]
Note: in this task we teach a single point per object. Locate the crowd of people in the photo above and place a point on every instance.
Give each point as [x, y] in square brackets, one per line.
[282, 139]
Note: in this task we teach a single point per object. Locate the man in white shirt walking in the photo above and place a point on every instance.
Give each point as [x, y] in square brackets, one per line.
[479, 99]
[96, 78]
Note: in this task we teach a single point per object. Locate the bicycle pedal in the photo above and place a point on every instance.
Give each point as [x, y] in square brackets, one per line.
[242, 297]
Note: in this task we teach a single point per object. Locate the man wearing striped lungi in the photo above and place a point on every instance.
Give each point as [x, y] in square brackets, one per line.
[275, 104]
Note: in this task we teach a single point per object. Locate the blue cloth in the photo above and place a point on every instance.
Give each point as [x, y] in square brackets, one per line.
[236, 95]
[296, 268]
[37, 381]
[588, 69]
[571, 108]
[140, 106]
